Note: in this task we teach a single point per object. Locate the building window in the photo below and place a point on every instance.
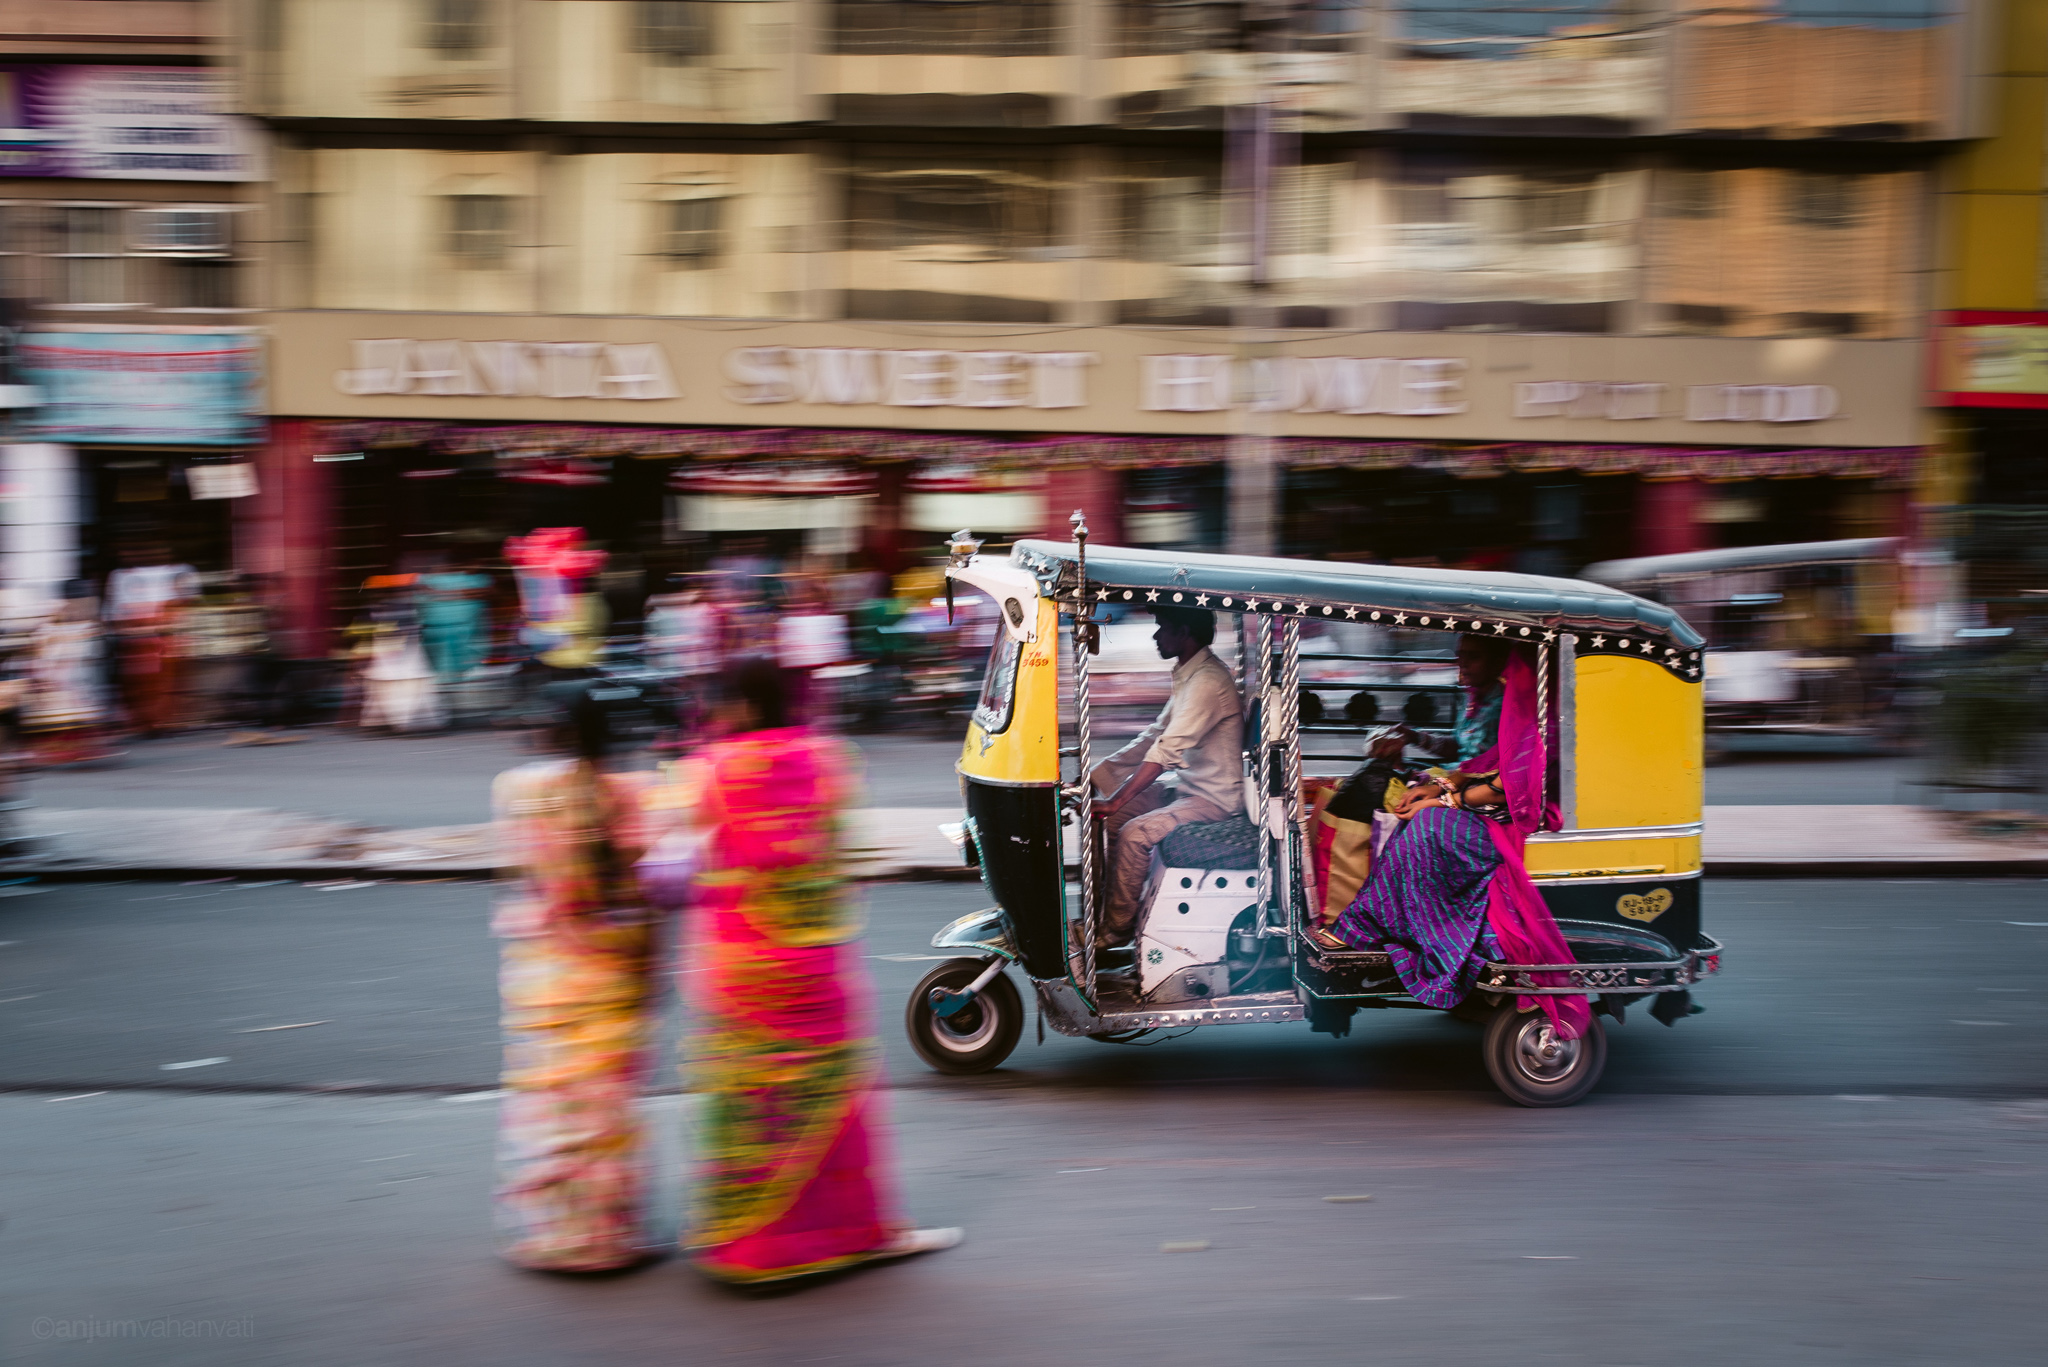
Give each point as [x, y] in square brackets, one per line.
[479, 231]
[191, 249]
[690, 232]
[1690, 194]
[198, 283]
[1151, 28]
[672, 32]
[1819, 199]
[1482, 248]
[91, 252]
[946, 238]
[974, 28]
[457, 29]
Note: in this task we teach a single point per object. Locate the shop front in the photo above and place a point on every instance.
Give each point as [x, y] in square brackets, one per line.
[139, 443]
[679, 444]
[1991, 378]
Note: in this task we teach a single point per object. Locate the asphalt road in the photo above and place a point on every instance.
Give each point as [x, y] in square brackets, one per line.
[1841, 1161]
[444, 780]
[1931, 988]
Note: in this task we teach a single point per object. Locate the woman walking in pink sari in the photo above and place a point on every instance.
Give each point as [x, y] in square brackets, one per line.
[793, 1176]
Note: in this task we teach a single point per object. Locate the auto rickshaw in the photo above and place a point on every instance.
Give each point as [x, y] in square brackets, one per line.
[1799, 636]
[1225, 943]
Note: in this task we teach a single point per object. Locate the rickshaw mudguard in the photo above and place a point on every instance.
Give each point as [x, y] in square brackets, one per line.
[987, 932]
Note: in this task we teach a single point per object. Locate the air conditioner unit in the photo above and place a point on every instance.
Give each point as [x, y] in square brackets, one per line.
[182, 231]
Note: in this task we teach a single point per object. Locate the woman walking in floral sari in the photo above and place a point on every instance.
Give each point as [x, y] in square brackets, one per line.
[577, 988]
[792, 1173]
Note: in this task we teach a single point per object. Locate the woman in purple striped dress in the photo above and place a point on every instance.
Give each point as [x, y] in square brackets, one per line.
[1449, 893]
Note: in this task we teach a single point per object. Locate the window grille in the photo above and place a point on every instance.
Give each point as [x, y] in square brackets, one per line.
[90, 253]
[973, 28]
[1819, 199]
[458, 28]
[1691, 194]
[479, 230]
[691, 232]
[672, 32]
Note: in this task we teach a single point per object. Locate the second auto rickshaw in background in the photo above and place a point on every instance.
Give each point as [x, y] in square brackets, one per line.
[1799, 636]
[1226, 942]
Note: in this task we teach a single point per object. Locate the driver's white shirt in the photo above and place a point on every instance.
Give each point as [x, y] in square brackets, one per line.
[1198, 735]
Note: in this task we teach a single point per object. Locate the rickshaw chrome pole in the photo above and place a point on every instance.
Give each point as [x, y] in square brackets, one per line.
[1082, 796]
[1260, 678]
[1295, 834]
[1542, 735]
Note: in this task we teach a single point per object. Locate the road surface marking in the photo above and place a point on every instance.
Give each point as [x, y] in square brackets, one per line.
[189, 1063]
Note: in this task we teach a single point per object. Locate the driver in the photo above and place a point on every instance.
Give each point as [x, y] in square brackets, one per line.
[1198, 737]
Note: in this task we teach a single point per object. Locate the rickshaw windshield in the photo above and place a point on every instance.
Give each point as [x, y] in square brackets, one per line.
[998, 686]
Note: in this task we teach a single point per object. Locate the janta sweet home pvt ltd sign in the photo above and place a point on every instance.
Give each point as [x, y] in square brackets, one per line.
[919, 377]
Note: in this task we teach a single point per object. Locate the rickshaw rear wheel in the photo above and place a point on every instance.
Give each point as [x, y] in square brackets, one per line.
[1533, 1067]
[977, 1037]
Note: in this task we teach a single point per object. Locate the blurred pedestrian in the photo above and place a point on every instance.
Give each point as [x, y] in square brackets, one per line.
[793, 1176]
[576, 987]
[685, 639]
[398, 682]
[810, 639]
[566, 616]
[146, 602]
[454, 626]
[63, 713]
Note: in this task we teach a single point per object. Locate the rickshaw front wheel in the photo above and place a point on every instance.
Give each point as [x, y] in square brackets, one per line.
[977, 1037]
[1529, 1063]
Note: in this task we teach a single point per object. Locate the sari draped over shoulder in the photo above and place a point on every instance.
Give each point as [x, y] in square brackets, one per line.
[1451, 891]
[791, 1179]
[575, 983]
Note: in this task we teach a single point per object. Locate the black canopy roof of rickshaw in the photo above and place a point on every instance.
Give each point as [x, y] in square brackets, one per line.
[1401, 595]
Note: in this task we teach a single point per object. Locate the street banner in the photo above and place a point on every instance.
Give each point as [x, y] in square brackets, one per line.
[123, 123]
[187, 389]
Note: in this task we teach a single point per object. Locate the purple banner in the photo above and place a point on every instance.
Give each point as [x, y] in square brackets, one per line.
[123, 123]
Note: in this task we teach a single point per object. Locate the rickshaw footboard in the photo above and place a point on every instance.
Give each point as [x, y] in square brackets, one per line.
[1670, 975]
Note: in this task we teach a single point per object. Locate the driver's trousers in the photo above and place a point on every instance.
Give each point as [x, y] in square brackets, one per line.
[1148, 818]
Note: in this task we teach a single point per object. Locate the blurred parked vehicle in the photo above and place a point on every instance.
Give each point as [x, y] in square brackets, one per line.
[1799, 636]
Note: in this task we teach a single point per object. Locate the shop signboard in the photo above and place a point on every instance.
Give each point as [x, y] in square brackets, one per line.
[123, 123]
[1989, 359]
[154, 388]
[1701, 391]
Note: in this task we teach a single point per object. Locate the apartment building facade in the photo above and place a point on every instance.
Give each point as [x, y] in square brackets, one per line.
[1529, 287]
[128, 190]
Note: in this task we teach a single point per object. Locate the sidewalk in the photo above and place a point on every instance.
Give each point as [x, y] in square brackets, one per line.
[898, 843]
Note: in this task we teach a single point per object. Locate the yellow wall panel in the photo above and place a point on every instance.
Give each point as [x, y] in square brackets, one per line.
[1998, 241]
[1639, 745]
[2012, 160]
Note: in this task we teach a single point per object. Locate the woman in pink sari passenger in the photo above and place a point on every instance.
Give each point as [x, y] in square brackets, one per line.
[793, 1174]
[1451, 892]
